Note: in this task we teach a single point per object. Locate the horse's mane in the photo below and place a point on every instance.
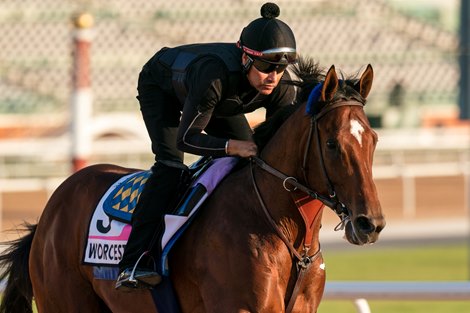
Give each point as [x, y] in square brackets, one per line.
[309, 74]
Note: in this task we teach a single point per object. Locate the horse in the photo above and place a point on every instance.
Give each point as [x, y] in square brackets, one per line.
[254, 246]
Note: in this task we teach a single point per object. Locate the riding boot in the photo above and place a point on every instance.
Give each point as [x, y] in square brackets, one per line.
[138, 267]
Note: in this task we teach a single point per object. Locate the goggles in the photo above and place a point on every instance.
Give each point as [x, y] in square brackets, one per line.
[270, 60]
[267, 67]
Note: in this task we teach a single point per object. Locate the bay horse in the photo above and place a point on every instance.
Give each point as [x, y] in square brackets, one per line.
[254, 246]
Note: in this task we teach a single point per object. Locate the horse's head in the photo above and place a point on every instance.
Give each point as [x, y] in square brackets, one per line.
[325, 141]
[339, 153]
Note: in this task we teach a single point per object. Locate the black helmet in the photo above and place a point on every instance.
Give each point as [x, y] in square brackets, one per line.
[268, 38]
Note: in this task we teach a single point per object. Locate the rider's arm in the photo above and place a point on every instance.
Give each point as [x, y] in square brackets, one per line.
[205, 84]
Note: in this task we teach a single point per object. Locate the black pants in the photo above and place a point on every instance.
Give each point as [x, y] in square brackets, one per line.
[157, 199]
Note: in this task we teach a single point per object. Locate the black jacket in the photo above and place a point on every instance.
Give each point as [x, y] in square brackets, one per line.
[209, 81]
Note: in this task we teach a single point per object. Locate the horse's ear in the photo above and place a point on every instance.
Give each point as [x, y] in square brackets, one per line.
[364, 84]
[330, 85]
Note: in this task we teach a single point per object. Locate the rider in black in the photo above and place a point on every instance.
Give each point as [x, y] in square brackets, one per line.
[193, 99]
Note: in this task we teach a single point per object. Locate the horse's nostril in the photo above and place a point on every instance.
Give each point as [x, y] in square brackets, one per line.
[378, 229]
[379, 224]
[365, 225]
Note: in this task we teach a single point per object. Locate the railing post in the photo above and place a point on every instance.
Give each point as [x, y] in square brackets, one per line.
[362, 306]
[82, 98]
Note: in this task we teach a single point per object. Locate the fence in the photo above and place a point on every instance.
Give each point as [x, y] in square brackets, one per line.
[405, 156]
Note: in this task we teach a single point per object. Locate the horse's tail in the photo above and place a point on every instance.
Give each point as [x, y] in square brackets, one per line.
[18, 293]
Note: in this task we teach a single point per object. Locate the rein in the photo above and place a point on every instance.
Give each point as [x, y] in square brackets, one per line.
[304, 261]
[293, 181]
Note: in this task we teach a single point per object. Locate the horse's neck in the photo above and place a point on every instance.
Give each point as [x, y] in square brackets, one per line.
[285, 150]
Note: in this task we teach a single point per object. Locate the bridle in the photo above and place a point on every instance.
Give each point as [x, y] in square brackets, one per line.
[331, 200]
[304, 260]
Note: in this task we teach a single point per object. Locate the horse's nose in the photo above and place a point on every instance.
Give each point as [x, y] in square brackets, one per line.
[367, 225]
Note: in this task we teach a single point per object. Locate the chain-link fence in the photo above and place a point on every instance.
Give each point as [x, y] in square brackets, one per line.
[415, 61]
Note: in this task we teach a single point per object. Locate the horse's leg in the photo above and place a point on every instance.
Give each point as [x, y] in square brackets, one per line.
[310, 295]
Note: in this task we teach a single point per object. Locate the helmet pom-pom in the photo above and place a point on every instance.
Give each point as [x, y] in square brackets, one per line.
[270, 10]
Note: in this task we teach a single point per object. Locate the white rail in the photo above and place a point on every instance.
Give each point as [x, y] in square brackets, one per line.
[359, 291]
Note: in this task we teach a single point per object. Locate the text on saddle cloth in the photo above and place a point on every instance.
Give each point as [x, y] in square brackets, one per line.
[109, 227]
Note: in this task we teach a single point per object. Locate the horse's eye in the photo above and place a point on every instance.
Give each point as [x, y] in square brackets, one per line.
[331, 144]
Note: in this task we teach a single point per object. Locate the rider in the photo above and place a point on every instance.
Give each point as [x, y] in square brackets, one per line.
[193, 99]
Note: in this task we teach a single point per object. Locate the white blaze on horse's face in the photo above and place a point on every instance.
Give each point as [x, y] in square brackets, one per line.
[357, 130]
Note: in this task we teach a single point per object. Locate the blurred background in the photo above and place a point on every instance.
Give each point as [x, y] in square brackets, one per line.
[418, 50]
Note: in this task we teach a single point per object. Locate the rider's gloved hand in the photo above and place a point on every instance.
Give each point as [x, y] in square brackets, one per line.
[242, 148]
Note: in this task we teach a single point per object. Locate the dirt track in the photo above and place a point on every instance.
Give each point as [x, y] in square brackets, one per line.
[436, 197]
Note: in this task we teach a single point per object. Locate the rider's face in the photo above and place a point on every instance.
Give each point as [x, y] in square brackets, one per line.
[263, 82]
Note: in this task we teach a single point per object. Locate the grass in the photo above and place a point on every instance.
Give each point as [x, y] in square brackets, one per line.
[422, 263]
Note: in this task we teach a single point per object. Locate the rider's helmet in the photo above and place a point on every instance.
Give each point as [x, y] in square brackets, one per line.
[268, 41]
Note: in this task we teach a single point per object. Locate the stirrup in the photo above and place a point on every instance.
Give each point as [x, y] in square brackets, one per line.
[142, 280]
[124, 282]
[147, 277]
